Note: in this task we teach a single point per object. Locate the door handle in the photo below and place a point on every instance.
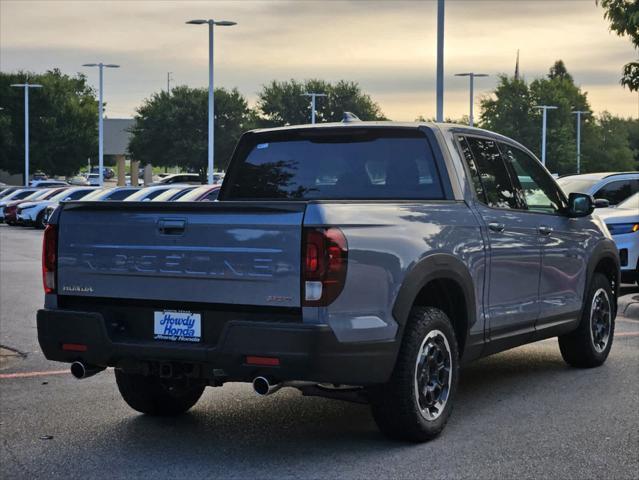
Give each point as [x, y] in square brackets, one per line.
[171, 227]
[545, 230]
[496, 227]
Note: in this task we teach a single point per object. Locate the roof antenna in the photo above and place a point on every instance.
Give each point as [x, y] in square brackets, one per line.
[350, 117]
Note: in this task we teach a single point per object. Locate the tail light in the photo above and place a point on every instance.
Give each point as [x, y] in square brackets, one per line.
[324, 268]
[49, 258]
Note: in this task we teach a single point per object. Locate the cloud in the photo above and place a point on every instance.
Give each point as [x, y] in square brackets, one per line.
[386, 46]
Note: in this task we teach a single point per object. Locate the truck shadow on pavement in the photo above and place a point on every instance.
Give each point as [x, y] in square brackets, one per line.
[228, 424]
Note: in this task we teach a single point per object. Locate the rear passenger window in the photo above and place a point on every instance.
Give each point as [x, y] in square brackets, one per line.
[495, 182]
[472, 166]
[616, 192]
[78, 194]
[120, 194]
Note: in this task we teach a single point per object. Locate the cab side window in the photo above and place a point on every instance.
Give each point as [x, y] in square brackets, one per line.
[539, 191]
[494, 183]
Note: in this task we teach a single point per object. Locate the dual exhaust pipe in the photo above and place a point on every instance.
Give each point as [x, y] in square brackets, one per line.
[262, 386]
[79, 370]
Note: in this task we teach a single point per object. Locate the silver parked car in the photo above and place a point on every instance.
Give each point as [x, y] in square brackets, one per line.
[614, 187]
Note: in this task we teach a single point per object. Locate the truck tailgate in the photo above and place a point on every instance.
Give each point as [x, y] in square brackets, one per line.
[245, 253]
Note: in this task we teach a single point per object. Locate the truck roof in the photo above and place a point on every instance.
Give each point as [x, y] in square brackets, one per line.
[443, 127]
[383, 124]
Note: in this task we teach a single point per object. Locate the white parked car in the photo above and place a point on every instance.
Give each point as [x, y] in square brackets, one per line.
[623, 223]
[614, 187]
[93, 179]
[35, 213]
[48, 183]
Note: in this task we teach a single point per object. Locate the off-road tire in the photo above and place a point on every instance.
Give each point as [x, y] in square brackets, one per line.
[155, 396]
[395, 405]
[578, 347]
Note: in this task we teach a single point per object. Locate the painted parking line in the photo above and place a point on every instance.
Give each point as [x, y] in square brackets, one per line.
[627, 334]
[32, 374]
[37, 374]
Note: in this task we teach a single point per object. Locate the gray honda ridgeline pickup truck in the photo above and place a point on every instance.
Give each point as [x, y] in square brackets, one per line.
[361, 261]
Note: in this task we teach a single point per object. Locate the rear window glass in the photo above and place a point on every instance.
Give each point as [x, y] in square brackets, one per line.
[323, 165]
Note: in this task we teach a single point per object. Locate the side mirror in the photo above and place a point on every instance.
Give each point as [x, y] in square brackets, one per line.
[601, 203]
[580, 205]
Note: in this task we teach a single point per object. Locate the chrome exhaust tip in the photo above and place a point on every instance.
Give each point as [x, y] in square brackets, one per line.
[79, 370]
[263, 387]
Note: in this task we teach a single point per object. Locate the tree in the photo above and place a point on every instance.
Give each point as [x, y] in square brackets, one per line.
[284, 103]
[608, 149]
[63, 119]
[172, 130]
[510, 111]
[559, 89]
[623, 16]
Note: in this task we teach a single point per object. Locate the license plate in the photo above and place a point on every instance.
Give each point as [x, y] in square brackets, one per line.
[177, 326]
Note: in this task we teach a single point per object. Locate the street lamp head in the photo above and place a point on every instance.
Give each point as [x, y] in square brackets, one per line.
[27, 85]
[471, 74]
[89, 64]
[220, 23]
[112, 65]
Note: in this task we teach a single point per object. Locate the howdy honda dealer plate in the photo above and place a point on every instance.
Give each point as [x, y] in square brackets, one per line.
[177, 326]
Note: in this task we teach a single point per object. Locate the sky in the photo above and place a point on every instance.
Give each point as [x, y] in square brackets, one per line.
[388, 47]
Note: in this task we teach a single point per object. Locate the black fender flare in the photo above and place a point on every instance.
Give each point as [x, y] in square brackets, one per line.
[433, 267]
[605, 249]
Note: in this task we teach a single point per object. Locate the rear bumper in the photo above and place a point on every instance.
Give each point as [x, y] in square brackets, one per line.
[306, 352]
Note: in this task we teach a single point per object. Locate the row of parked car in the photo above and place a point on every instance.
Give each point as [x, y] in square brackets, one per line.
[92, 178]
[32, 206]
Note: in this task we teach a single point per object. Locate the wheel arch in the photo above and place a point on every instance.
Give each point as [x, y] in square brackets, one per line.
[605, 260]
[443, 281]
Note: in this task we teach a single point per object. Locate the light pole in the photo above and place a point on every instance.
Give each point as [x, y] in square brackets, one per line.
[211, 23]
[579, 113]
[168, 82]
[101, 66]
[545, 109]
[471, 76]
[26, 86]
[440, 61]
[313, 96]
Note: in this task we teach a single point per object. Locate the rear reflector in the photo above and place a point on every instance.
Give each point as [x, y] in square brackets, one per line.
[49, 258]
[74, 347]
[263, 361]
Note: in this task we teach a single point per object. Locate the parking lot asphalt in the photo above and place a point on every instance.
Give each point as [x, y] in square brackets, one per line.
[519, 414]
